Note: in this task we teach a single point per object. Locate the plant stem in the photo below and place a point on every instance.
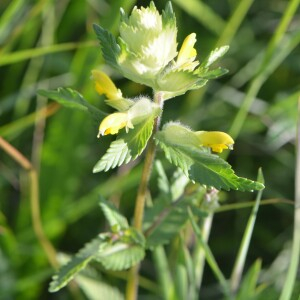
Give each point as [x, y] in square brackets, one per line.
[132, 284]
[291, 276]
[141, 196]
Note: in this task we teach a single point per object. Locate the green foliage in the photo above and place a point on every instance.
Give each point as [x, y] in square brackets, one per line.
[42, 47]
[214, 56]
[95, 286]
[213, 74]
[72, 99]
[127, 147]
[75, 265]
[203, 167]
[248, 288]
[112, 215]
[168, 15]
[109, 46]
[163, 221]
[168, 215]
[120, 256]
[116, 250]
[113, 255]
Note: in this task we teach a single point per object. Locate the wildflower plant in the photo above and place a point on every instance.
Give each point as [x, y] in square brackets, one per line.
[147, 53]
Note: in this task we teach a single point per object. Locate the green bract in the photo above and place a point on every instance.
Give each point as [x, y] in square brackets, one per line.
[146, 51]
[148, 43]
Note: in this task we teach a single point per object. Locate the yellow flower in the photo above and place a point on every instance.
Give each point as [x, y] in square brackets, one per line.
[104, 85]
[216, 140]
[114, 122]
[187, 54]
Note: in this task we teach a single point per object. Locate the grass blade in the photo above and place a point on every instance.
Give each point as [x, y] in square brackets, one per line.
[294, 261]
[242, 253]
[210, 258]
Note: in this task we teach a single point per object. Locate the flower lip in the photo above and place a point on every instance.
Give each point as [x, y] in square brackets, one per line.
[113, 123]
[216, 140]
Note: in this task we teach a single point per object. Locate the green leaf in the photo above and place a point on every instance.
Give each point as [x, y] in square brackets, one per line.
[163, 182]
[204, 167]
[163, 221]
[72, 99]
[113, 216]
[178, 184]
[67, 272]
[249, 289]
[179, 160]
[168, 15]
[176, 82]
[213, 74]
[120, 256]
[214, 56]
[127, 147]
[93, 287]
[110, 49]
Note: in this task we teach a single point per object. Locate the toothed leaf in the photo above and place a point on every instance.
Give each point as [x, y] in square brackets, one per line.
[214, 56]
[127, 147]
[72, 99]
[163, 221]
[121, 256]
[112, 215]
[67, 272]
[213, 74]
[110, 48]
[204, 167]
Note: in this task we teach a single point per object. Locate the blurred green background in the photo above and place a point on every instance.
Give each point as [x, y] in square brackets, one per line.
[47, 44]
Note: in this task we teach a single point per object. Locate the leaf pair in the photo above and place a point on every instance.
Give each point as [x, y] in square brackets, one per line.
[119, 249]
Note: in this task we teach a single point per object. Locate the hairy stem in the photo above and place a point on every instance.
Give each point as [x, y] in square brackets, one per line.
[132, 283]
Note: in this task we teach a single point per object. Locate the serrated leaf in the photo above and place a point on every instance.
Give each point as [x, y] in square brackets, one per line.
[67, 272]
[112, 215]
[203, 167]
[110, 48]
[168, 15]
[163, 221]
[120, 256]
[127, 147]
[177, 80]
[213, 74]
[93, 287]
[72, 99]
[214, 56]
[174, 156]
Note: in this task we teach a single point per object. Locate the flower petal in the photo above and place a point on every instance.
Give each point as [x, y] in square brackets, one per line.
[104, 85]
[187, 52]
[216, 140]
[114, 122]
